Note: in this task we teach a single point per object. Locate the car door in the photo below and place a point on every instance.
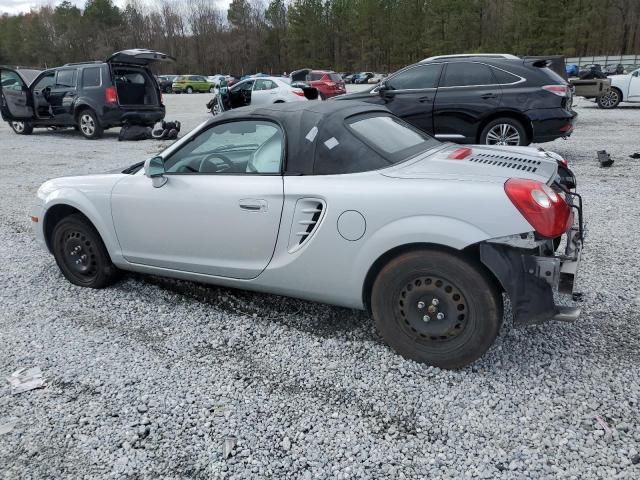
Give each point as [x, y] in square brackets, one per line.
[15, 97]
[63, 94]
[264, 92]
[467, 93]
[241, 94]
[218, 212]
[410, 93]
[40, 89]
[634, 86]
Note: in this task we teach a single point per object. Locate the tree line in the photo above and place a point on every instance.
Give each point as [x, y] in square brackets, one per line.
[344, 35]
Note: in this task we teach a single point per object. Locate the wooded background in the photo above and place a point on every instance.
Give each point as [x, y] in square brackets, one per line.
[344, 35]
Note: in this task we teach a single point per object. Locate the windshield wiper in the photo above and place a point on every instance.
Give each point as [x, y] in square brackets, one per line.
[133, 168]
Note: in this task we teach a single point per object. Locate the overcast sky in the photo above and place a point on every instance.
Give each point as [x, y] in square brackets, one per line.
[17, 6]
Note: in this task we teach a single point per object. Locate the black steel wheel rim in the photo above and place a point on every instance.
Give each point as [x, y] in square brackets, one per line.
[78, 254]
[432, 309]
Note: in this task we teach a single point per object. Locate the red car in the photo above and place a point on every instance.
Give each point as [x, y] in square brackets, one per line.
[328, 83]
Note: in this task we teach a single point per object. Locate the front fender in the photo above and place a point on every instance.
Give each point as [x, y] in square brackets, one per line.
[95, 206]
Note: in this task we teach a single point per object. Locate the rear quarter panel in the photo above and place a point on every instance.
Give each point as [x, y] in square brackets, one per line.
[331, 269]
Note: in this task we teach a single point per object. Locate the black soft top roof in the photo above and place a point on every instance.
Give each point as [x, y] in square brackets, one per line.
[306, 124]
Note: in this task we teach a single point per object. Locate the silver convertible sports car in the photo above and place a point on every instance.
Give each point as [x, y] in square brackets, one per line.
[341, 203]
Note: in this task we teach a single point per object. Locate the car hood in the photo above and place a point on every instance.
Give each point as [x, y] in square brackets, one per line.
[355, 96]
[484, 163]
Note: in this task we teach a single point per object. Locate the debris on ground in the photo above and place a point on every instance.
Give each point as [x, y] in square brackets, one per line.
[604, 158]
[228, 446]
[7, 427]
[635, 155]
[24, 379]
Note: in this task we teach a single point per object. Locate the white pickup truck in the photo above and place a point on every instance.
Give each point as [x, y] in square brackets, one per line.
[624, 88]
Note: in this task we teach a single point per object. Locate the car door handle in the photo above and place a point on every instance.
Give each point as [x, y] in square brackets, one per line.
[487, 96]
[253, 205]
[424, 99]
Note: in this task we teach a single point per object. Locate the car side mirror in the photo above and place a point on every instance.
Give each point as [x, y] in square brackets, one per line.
[635, 74]
[384, 91]
[154, 169]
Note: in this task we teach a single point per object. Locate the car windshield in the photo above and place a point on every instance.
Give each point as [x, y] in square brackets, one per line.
[393, 138]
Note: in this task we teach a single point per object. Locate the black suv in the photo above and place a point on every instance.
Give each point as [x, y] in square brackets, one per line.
[89, 96]
[493, 99]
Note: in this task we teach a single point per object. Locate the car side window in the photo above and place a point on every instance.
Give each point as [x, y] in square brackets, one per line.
[44, 82]
[262, 84]
[66, 78]
[466, 74]
[415, 78]
[10, 80]
[237, 147]
[246, 85]
[503, 77]
[91, 77]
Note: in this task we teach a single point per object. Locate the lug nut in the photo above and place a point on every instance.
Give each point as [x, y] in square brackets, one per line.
[426, 318]
[440, 316]
[420, 305]
[435, 301]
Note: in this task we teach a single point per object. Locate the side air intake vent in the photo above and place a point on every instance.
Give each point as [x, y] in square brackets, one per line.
[506, 161]
[306, 218]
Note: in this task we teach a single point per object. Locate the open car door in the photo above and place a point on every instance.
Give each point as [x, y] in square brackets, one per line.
[15, 99]
[139, 56]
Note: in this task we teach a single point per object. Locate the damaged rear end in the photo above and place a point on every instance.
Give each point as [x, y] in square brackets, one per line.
[532, 266]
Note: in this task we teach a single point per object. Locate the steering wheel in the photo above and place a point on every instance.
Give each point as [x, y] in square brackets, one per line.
[228, 164]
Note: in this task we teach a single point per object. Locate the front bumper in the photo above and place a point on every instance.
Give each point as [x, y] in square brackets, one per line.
[530, 276]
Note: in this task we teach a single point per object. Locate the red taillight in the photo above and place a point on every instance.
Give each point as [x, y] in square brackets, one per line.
[298, 92]
[460, 153]
[564, 162]
[111, 95]
[566, 128]
[560, 90]
[544, 209]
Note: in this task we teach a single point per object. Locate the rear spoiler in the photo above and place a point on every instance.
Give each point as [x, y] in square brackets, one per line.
[553, 62]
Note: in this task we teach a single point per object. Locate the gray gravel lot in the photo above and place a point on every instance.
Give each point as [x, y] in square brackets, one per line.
[146, 379]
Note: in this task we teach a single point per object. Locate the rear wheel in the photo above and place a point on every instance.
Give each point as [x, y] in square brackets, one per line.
[504, 131]
[436, 308]
[81, 254]
[22, 128]
[89, 125]
[609, 100]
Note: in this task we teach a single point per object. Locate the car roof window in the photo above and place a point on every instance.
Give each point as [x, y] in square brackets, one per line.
[466, 74]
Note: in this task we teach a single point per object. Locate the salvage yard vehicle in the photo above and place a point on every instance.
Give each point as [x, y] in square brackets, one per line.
[90, 96]
[191, 84]
[327, 82]
[494, 99]
[624, 88]
[259, 91]
[341, 203]
[165, 82]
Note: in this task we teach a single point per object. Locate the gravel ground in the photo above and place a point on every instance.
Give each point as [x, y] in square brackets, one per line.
[148, 378]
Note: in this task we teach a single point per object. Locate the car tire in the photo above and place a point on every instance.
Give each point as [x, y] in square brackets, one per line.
[504, 131]
[89, 125]
[212, 90]
[22, 128]
[189, 90]
[322, 97]
[462, 307]
[609, 100]
[80, 253]
[168, 90]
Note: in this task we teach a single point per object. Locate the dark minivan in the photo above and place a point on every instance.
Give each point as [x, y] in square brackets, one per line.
[495, 99]
[91, 96]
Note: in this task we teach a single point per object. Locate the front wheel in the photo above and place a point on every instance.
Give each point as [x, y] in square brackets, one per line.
[89, 125]
[212, 90]
[189, 90]
[80, 253]
[436, 308]
[504, 131]
[22, 128]
[609, 100]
